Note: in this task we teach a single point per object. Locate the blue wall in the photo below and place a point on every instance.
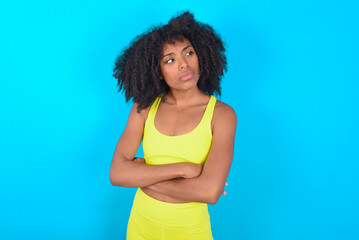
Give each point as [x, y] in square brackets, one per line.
[292, 79]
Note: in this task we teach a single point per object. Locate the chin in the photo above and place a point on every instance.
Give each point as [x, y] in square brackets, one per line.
[192, 85]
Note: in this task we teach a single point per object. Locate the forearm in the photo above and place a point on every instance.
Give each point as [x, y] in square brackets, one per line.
[189, 189]
[135, 174]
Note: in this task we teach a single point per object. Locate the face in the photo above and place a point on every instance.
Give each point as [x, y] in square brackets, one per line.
[179, 65]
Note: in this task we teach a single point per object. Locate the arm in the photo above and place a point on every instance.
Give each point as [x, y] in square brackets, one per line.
[127, 173]
[208, 187]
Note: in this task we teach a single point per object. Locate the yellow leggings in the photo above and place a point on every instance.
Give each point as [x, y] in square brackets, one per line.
[152, 219]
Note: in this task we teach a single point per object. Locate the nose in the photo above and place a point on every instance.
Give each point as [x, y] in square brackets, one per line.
[182, 63]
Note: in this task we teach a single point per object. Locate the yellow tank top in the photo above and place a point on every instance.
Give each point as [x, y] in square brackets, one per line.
[191, 147]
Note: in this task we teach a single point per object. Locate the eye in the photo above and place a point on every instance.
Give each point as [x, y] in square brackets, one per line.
[169, 60]
[189, 53]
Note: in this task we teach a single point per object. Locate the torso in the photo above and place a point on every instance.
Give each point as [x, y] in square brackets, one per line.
[173, 122]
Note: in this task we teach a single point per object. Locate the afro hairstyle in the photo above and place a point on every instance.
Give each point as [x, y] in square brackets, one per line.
[137, 68]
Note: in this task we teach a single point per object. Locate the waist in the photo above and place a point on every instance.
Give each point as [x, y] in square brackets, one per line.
[171, 213]
[161, 197]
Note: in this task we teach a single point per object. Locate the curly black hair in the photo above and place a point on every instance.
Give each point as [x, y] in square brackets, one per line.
[137, 68]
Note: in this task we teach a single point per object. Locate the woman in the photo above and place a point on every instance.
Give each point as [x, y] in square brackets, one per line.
[171, 72]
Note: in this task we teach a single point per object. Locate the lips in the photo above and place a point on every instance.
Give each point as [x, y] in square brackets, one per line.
[186, 76]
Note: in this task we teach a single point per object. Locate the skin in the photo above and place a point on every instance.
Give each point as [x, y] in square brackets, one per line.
[179, 112]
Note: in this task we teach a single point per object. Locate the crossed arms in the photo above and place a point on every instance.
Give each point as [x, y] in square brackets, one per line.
[198, 183]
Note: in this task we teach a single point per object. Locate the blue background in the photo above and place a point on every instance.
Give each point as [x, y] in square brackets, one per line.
[292, 80]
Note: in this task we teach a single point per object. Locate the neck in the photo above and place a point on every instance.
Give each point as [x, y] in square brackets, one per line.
[181, 98]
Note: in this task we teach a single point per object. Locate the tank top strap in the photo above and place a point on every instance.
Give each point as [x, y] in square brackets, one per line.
[208, 114]
[153, 109]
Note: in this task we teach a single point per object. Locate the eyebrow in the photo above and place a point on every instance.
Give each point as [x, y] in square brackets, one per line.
[172, 52]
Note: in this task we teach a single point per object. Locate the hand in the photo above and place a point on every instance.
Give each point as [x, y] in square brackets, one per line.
[191, 170]
[224, 191]
[140, 160]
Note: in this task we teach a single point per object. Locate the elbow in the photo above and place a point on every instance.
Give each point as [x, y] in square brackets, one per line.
[213, 198]
[211, 191]
[115, 178]
[121, 180]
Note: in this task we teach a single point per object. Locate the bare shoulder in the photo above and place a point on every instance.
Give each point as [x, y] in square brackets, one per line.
[143, 113]
[224, 111]
[224, 116]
